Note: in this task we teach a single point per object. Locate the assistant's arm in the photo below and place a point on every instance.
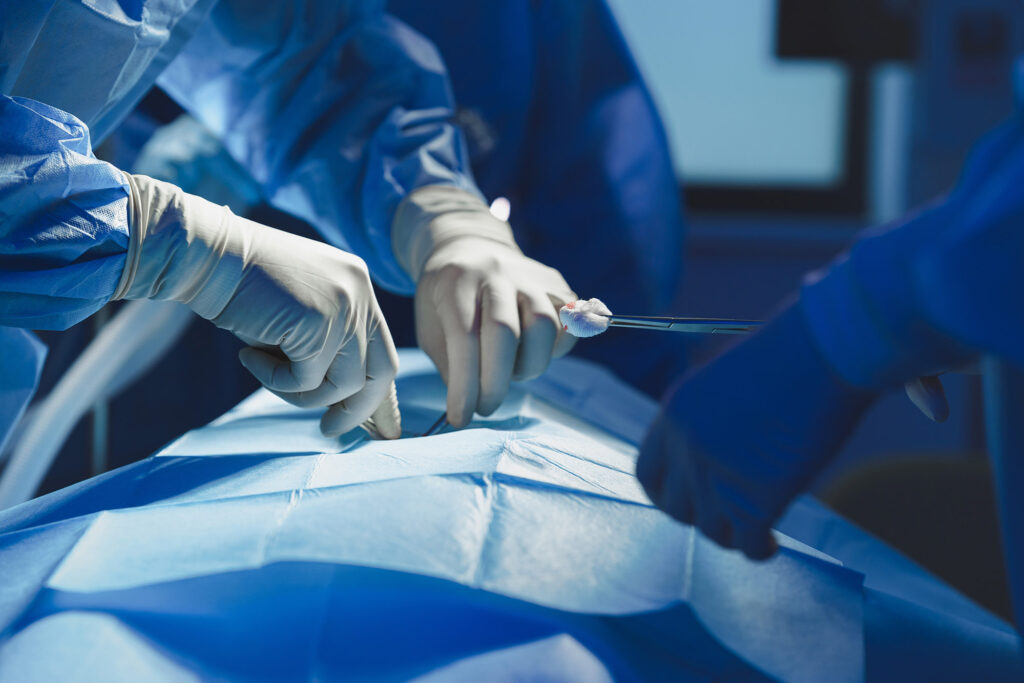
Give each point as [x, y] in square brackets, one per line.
[739, 438]
[63, 219]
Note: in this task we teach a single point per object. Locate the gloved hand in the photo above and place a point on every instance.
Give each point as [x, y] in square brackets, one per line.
[485, 313]
[737, 440]
[307, 310]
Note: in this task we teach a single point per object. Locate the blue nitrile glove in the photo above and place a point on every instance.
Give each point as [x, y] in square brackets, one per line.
[739, 438]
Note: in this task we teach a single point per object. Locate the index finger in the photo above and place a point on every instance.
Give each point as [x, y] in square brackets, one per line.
[373, 399]
[282, 374]
[458, 314]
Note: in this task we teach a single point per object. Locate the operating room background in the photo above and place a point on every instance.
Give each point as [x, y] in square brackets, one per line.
[792, 125]
[746, 122]
[868, 109]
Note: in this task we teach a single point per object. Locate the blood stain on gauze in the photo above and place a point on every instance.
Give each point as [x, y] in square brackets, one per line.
[584, 318]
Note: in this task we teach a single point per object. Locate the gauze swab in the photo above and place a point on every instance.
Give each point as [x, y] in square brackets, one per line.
[584, 318]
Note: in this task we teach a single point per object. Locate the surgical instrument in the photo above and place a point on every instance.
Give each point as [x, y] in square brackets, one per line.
[691, 325]
[438, 426]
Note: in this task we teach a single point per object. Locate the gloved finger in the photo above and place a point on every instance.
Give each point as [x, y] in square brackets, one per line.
[928, 394]
[561, 293]
[458, 315]
[748, 530]
[680, 496]
[381, 367]
[282, 374]
[757, 542]
[717, 528]
[539, 324]
[430, 335]
[709, 513]
[344, 376]
[651, 463]
[499, 343]
[386, 421]
[342, 380]
[382, 360]
[564, 341]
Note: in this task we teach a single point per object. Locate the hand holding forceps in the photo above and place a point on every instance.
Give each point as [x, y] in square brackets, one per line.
[664, 324]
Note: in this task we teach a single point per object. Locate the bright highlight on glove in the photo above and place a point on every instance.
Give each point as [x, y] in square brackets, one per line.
[584, 318]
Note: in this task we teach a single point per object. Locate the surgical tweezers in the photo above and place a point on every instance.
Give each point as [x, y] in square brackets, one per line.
[440, 424]
[691, 325]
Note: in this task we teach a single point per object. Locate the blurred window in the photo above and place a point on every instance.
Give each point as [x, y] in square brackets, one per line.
[737, 115]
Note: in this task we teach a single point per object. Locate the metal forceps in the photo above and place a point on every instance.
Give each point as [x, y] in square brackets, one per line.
[690, 325]
[436, 428]
[667, 324]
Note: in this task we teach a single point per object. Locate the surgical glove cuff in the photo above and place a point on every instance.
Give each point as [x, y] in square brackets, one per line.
[181, 248]
[437, 214]
[137, 226]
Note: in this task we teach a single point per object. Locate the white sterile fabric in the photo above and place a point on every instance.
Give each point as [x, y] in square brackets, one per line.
[584, 318]
[307, 310]
[485, 313]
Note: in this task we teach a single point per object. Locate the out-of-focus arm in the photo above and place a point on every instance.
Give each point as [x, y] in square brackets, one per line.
[63, 219]
[930, 291]
[598, 179]
[736, 440]
[337, 109]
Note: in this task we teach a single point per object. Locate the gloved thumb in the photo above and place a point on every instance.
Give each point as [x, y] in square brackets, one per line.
[928, 394]
[386, 421]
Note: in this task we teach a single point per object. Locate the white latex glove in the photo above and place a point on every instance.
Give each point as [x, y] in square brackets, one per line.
[485, 313]
[307, 310]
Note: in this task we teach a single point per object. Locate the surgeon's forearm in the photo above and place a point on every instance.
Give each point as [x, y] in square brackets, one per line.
[179, 245]
[64, 227]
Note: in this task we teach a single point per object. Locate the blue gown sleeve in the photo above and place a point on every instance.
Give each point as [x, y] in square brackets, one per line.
[337, 109]
[21, 365]
[599, 181]
[936, 288]
[63, 219]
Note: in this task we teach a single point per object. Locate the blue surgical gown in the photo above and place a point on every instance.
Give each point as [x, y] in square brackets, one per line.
[558, 119]
[335, 107]
[931, 291]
